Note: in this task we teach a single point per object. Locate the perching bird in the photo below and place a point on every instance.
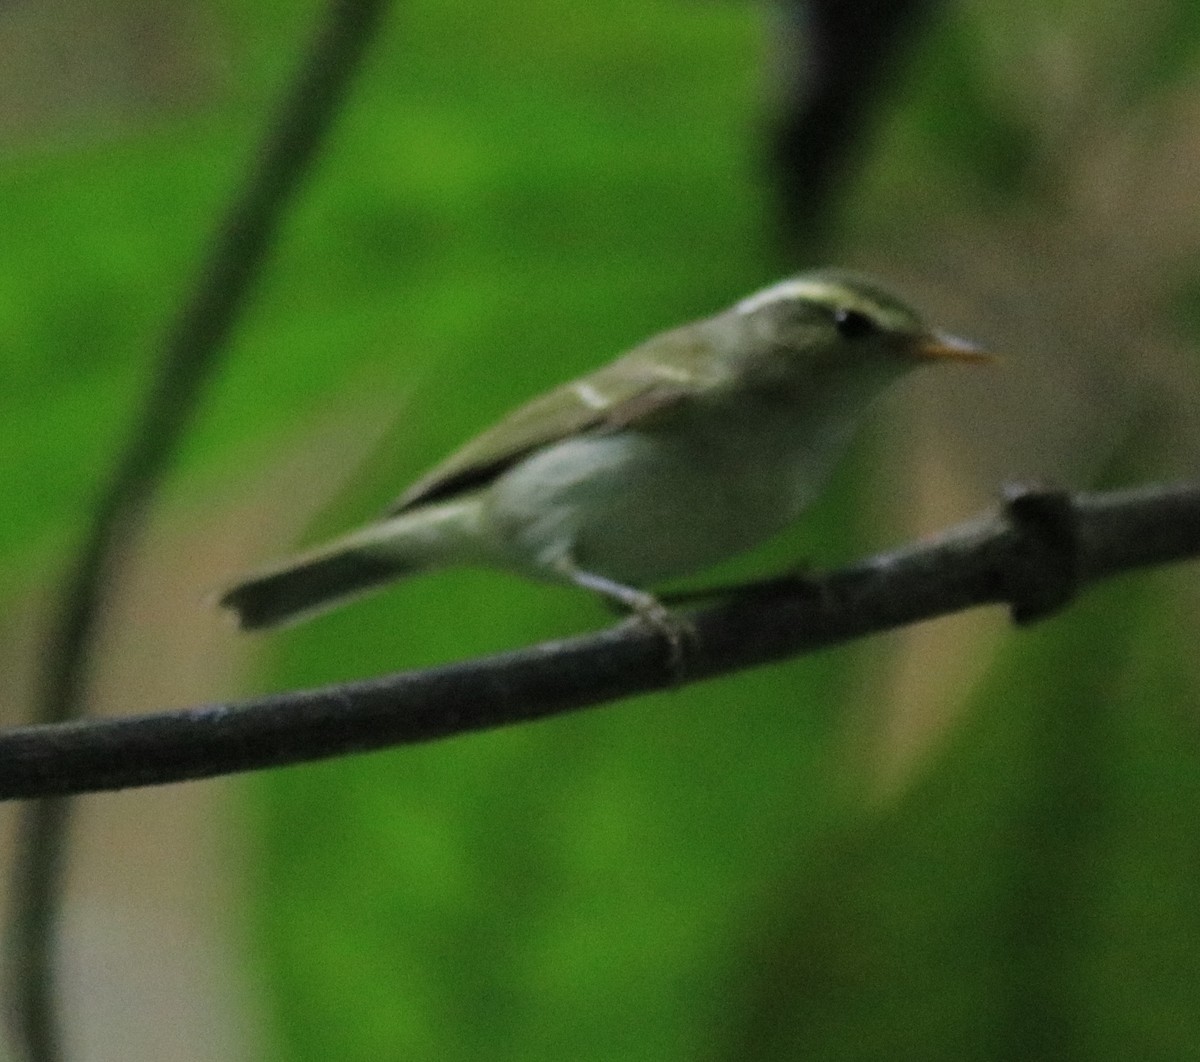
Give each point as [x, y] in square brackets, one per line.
[694, 446]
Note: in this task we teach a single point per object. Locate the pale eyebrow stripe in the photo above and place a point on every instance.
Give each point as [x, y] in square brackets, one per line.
[785, 289]
[589, 396]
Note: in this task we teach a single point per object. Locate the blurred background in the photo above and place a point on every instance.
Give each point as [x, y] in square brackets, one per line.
[954, 842]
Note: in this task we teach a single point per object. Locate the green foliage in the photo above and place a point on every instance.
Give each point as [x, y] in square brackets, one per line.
[950, 111]
[516, 192]
[1013, 904]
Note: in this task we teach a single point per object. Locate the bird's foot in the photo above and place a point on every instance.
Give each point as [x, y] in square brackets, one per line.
[677, 632]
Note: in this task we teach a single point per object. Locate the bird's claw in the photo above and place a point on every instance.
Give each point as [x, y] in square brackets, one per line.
[679, 633]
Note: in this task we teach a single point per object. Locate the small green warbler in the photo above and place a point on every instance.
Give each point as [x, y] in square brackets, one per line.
[696, 445]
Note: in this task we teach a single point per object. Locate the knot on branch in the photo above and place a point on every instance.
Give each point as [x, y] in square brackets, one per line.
[1041, 571]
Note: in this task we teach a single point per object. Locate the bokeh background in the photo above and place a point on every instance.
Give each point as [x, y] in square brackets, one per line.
[955, 842]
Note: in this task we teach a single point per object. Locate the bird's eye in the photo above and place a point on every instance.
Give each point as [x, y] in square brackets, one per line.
[853, 324]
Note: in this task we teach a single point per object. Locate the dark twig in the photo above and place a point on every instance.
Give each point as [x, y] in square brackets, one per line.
[190, 351]
[834, 59]
[1019, 556]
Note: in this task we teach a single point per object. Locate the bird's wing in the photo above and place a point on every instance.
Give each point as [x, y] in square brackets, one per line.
[633, 390]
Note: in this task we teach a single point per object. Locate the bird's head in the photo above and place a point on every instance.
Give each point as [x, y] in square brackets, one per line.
[840, 319]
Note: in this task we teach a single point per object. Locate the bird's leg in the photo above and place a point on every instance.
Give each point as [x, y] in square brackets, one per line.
[648, 608]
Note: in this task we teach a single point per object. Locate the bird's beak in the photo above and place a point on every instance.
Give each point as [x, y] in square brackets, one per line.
[937, 346]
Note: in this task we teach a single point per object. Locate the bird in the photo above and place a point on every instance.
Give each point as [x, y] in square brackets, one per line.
[698, 444]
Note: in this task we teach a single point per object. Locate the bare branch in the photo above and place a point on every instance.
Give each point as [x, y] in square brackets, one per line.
[1032, 555]
[190, 352]
[835, 62]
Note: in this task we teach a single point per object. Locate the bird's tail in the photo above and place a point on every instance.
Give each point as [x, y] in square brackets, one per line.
[330, 575]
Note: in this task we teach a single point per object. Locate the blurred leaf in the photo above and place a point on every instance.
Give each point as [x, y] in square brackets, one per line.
[1012, 905]
[511, 198]
[949, 111]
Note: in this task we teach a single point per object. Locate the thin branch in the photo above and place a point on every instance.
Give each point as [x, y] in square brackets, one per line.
[835, 60]
[1034, 554]
[190, 352]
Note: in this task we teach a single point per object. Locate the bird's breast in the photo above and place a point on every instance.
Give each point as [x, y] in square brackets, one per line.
[639, 508]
